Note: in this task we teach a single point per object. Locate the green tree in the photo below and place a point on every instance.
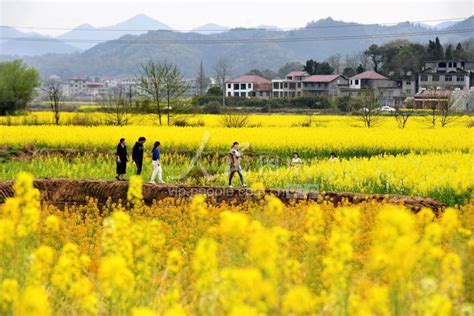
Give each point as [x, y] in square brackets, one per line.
[375, 53]
[435, 50]
[215, 90]
[313, 67]
[458, 52]
[17, 85]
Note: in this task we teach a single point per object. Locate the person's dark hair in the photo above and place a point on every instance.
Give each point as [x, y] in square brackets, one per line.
[332, 154]
[235, 143]
[297, 155]
[122, 140]
[141, 139]
[156, 144]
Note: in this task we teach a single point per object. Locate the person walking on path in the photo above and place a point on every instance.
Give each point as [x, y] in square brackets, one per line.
[156, 164]
[137, 154]
[121, 159]
[235, 158]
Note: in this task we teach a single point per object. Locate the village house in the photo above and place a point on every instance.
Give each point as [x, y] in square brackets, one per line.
[386, 91]
[290, 86]
[249, 86]
[446, 75]
[324, 85]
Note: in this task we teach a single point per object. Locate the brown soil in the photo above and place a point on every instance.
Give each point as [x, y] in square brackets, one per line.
[68, 191]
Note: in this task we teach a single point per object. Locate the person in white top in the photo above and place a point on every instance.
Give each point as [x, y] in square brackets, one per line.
[235, 157]
[296, 161]
[156, 164]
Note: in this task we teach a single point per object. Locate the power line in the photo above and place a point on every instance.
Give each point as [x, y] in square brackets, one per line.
[243, 41]
[352, 24]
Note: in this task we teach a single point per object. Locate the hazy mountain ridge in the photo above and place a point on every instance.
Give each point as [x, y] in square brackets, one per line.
[122, 57]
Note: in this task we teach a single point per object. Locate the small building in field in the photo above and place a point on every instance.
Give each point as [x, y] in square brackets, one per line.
[249, 86]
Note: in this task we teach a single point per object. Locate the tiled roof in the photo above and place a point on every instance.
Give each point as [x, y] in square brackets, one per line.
[369, 74]
[321, 78]
[251, 79]
[297, 74]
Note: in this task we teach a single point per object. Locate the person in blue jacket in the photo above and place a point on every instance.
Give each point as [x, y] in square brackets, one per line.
[156, 164]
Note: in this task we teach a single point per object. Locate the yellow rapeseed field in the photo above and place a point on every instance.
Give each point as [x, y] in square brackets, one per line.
[175, 258]
[351, 140]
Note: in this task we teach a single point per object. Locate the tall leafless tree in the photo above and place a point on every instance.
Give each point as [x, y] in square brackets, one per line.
[151, 80]
[222, 70]
[117, 105]
[335, 62]
[367, 107]
[174, 87]
[202, 81]
[54, 91]
[447, 111]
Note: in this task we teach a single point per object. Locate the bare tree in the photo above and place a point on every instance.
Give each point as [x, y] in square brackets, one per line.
[174, 87]
[352, 61]
[151, 80]
[447, 111]
[117, 105]
[53, 89]
[367, 108]
[402, 115]
[335, 62]
[222, 71]
[202, 82]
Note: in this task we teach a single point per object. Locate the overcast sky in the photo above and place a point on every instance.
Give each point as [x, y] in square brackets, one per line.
[184, 15]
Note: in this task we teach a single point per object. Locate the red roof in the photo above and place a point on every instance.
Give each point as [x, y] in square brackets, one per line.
[369, 74]
[251, 79]
[321, 78]
[297, 74]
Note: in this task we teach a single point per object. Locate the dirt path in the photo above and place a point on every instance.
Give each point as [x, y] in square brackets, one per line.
[69, 191]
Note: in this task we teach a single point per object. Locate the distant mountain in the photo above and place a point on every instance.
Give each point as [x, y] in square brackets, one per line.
[444, 25]
[267, 27]
[86, 36]
[245, 48]
[210, 28]
[17, 43]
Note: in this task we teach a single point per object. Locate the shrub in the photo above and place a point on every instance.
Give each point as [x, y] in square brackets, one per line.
[212, 108]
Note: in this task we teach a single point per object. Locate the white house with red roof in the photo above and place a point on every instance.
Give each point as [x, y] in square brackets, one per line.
[249, 86]
[368, 79]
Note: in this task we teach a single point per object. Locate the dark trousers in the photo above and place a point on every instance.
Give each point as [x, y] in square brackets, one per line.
[232, 175]
[139, 167]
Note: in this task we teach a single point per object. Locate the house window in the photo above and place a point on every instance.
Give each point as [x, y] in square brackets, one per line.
[448, 78]
[276, 85]
[435, 77]
[229, 86]
[350, 81]
[424, 78]
[236, 86]
[299, 84]
[229, 94]
[455, 64]
[236, 94]
[357, 82]
[450, 65]
[242, 86]
[460, 78]
[408, 82]
[285, 85]
[442, 65]
[407, 91]
[260, 93]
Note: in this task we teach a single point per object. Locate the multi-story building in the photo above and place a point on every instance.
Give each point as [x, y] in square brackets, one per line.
[447, 75]
[76, 86]
[291, 86]
[388, 92]
[249, 86]
[324, 85]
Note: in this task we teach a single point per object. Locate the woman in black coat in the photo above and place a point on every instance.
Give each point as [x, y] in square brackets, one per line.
[122, 158]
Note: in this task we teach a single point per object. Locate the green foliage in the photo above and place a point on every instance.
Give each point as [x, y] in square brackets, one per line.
[216, 90]
[312, 67]
[17, 86]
